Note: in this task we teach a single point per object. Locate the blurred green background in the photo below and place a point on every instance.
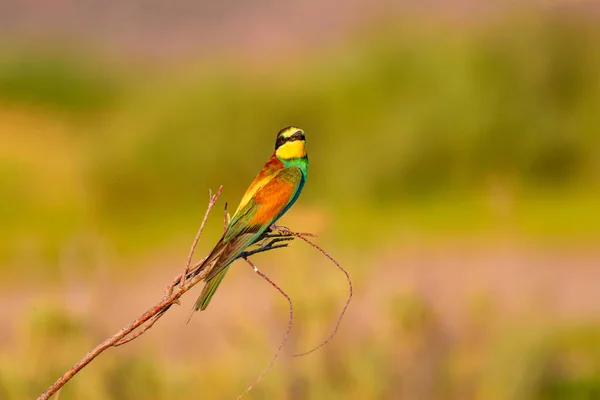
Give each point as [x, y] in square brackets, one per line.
[455, 172]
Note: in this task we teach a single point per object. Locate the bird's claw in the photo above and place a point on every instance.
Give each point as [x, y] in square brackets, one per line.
[279, 228]
[267, 245]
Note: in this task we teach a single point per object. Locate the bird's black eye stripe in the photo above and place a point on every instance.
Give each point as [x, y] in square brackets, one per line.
[298, 135]
[280, 141]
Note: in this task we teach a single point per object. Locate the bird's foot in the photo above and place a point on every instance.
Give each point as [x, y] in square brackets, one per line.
[284, 231]
[275, 231]
[269, 243]
[280, 228]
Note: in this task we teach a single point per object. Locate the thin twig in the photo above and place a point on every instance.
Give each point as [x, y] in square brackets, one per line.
[212, 199]
[285, 336]
[155, 312]
[122, 333]
[173, 284]
[149, 325]
[184, 282]
[337, 325]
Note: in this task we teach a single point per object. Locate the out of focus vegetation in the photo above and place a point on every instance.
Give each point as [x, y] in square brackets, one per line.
[434, 129]
[488, 129]
[416, 356]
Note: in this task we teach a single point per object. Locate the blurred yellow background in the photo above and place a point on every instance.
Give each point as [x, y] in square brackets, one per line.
[454, 171]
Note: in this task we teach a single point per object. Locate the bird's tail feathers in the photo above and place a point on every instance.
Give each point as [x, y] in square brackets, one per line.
[212, 257]
[212, 283]
[209, 290]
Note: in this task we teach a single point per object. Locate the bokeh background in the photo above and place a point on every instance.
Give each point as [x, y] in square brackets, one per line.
[455, 172]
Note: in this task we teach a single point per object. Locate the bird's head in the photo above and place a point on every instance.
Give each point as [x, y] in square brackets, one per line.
[290, 143]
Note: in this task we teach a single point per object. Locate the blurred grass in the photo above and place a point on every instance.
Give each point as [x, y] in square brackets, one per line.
[417, 358]
[449, 133]
[413, 132]
[57, 79]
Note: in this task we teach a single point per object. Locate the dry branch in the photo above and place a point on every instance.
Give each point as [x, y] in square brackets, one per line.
[153, 314]
[276, 237]
[285, 336]
[302, 236]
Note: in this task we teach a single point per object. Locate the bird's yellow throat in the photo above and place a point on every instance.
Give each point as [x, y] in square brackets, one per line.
[289, 150]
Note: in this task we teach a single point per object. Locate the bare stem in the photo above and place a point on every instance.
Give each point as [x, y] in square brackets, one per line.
[149, 325]
[285, 336]
[152, 315]
[212, 199]
[339, 321]
[121, 334]
[188, 279]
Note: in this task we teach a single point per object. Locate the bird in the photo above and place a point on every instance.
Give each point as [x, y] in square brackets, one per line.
[270, 195]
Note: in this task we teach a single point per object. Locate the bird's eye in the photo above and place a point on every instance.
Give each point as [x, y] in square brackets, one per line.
[280, 141]
[298, 135]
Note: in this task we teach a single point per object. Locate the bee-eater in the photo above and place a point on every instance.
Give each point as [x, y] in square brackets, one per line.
[273, 191]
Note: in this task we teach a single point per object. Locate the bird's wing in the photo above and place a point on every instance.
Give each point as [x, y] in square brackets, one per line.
[265, 207]
[268, 172]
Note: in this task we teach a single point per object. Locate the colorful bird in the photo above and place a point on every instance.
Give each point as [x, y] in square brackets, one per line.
[273, 191]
